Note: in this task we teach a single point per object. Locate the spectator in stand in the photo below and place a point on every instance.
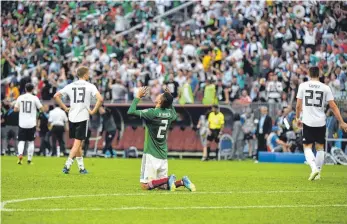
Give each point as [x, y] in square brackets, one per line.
[210, 96]
[118, 90]
[274, 89]
[12, 92]
[244, 98]
[263, 130]
[334, 84]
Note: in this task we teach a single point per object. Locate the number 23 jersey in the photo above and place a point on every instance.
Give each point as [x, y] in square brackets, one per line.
[80, 93]
[315, 96]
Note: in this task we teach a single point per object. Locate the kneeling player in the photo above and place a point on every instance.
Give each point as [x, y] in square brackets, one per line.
[154, 166]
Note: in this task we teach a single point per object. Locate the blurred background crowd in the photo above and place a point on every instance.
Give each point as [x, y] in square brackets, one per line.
[228, 51]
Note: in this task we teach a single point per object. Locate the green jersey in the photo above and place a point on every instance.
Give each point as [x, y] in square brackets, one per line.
[158, 121]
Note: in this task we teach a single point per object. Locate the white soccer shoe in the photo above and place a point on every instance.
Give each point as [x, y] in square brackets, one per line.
[317, 177]
[313, 175]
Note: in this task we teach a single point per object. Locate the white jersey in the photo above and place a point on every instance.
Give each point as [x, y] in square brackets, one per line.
[315, 96]
[28, 104]
[80, 93]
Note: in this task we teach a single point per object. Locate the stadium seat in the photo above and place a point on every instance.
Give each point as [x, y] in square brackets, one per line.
[189, 144]
[139, 138]
[128, 138]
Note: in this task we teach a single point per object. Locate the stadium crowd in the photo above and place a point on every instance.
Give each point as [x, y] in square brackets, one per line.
[232, 51]
[235, 52]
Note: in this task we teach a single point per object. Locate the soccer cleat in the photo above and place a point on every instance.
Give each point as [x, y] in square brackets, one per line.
[188, 184]
[20, 158]
[66, 170]
[171, 182]
[313, 175]
[84, 171]
[204, 159]
[317, 177]
[29, 162]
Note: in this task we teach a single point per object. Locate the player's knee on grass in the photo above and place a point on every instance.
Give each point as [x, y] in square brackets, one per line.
[144, 186]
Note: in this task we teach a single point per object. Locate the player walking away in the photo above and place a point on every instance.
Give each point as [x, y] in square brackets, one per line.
[216, 125]
[311, 99]
[27, 105]
[154, 168]
[80, 93]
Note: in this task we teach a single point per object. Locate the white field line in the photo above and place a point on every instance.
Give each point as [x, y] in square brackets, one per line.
[173, 208]
[4, 203]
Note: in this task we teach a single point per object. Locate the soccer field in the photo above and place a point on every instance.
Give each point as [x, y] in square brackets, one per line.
[227, 192]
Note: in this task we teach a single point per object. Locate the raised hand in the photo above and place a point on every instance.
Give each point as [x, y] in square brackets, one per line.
[142, 92]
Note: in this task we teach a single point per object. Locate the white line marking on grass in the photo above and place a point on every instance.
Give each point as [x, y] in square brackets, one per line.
[173, 208]
[4, 203]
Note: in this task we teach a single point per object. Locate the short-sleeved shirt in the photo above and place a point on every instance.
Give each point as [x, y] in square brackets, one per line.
[216, 121]
[57, 117]
[80, 94]
[315, 96]
[28, 105]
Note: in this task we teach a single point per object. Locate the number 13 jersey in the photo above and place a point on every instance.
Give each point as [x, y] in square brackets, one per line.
[315, 96]
[80, 93]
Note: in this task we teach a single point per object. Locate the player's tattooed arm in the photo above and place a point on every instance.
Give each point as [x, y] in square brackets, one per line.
[57, 98]
[132, 109]
[99, 100]
[171, 107]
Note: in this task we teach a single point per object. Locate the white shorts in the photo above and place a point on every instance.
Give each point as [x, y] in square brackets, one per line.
[152, 168]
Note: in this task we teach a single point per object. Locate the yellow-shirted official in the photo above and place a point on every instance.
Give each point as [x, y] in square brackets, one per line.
[216, 125]
[215, 121]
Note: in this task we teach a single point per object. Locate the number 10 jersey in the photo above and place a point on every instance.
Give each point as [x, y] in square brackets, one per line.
[315, 95]
[80, 93]
[28, 105]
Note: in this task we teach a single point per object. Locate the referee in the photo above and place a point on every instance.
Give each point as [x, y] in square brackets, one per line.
[216, 125]
[57, 119]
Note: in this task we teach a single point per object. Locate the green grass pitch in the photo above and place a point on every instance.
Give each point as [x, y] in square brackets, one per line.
[227, 192]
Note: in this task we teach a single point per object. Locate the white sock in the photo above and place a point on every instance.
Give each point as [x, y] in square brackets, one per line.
[21, 145]
[310, 158]
[69, 163]
[31, 148]
[80, 163]
[320, 159]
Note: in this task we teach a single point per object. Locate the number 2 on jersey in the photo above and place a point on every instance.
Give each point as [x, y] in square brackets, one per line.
[310, 94]
[81, 93]
[162, 128]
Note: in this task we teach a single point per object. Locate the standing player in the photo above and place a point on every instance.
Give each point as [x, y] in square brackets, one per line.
[154, 168]
[80, 93]
[27, 105]
[311, 99]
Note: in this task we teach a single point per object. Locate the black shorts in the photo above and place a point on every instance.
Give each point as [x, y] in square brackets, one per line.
[26, 134]
[248, 136]
[214, 135]
[78, 130]
[311, 135]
